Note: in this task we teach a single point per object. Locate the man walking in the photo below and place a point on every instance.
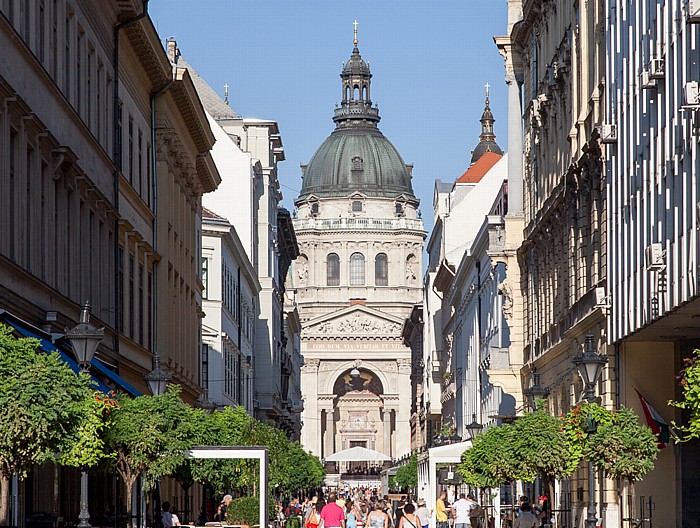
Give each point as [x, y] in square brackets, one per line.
[333, 515]
[441, 510]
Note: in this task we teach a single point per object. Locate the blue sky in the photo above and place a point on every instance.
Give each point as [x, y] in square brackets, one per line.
[282, 60]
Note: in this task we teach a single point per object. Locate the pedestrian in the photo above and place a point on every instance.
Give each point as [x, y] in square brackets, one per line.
[168, 518]
[441, 510]
[221, 510]
[352, 514]
[462, 508]
[377, 518]
[409, 519]
[526, 519]
[475, 511]
[423, 514]
[313, 515]
[332, 515]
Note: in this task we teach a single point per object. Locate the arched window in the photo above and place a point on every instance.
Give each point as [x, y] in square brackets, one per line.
[364, 92]
[357, 269]
[356, 93]
[381, 270]
[333, 270]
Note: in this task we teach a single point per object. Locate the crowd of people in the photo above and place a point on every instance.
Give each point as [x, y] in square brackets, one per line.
[367, 508]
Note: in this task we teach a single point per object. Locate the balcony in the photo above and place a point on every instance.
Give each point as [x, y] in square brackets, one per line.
[358, 224]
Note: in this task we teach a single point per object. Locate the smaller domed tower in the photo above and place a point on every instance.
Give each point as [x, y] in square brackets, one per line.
[487, 139]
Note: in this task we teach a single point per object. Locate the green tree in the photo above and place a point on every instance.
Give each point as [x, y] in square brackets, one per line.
[149, 435]
[491, 461]
[221, 428]
[407, 475]
[42, 405]
[690, 387]
[622, 448]
[542, 448]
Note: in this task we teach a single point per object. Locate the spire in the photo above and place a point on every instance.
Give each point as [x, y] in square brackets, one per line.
[487, 139]
[356, 108]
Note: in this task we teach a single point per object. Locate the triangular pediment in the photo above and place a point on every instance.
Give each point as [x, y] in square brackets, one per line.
[355, 321]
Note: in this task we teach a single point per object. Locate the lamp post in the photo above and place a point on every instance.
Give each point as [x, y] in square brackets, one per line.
[535, 391]
[158, 378]
[590, 366]
[84, 339]
[157, 381]
[473, 428]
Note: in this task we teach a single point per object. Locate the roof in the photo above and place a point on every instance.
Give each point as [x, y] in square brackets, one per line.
[213, 104]
[477, 171]
[206, 213]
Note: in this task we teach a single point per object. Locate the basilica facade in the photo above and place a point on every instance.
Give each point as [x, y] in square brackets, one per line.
[357, 278]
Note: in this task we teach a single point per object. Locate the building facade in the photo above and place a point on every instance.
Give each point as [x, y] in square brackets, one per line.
[104, 154]
[230, 294]
[652, 162]
[555, 64]
[357, 278]
[246, 153]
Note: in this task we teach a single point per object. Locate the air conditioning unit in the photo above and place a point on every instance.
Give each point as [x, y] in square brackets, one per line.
[691, 90]
[608, 133]
[654, 257]
[601, 300]
[692, 11]
[646, 80]
[656, 68]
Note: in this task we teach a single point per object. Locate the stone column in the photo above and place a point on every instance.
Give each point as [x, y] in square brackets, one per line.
[403, 412]
[328, 447]
[311, 432]
[386, 416]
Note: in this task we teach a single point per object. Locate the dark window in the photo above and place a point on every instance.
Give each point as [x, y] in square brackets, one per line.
[205, 277]
[357, 269]
[333, 270]
[131, 151]
[399, 209]
[357, 206]
[131, 296]
[139, 160]
[149, 324]
[120, 288]
[148, 174]
[381, 270]
[314, 208]
[357, 163]
[118, 133]
[141, 307]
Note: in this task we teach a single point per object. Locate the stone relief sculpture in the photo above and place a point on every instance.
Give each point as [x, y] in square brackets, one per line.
[411, 269]
[302, 267]
[358, 324]
[505, 290]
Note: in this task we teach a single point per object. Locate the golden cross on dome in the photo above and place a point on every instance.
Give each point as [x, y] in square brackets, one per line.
[355, 40]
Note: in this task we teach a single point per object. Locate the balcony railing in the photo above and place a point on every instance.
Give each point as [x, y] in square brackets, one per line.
[334, 224]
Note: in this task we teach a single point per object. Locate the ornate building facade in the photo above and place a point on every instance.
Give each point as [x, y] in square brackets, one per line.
[357, 278]
[555, 66]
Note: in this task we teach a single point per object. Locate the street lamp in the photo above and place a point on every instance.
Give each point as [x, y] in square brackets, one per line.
[473, 428]
[204, 403]
[84, 339]
[535, 391]
[158, 378]
[590, 366]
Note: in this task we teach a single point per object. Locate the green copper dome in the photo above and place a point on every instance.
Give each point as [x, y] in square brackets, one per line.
[356, 157]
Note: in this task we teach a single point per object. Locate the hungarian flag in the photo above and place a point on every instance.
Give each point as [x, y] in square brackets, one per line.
[657, 424]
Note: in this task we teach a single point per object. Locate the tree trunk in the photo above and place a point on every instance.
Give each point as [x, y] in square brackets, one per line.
[129, 495]
[633, 498]
[4, 500]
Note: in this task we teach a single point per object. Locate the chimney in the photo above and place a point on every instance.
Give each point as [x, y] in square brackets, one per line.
[172, 50]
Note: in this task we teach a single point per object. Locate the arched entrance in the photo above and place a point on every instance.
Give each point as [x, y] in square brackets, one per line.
[361, 418]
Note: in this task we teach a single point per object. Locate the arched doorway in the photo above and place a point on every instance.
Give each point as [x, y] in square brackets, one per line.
[361, 418]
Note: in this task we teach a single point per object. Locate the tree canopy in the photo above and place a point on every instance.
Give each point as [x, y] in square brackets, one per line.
[43, 404]
[690, 388]
[407, 475]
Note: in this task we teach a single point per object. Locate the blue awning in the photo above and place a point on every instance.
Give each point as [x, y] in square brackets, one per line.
[114, 377]
[48, 347]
